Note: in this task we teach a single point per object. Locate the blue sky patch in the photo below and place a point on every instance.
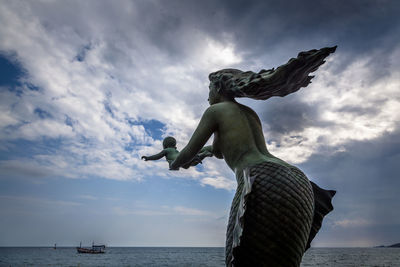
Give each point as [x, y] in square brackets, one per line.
[10, 71]
[22, 148]
[32, 87]
[82, 53]
[108, 108]
[69, 121]
[43, 114]
[153, 127]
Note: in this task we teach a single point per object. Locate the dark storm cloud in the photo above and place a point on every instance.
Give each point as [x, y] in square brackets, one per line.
[274, 31]
[287, 115]
[354, 25]
[380, 153]
[259, 26]
[366, 177]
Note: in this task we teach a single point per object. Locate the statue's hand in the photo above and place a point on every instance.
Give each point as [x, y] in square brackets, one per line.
[196, 160]
[144, 157]
[172, 167]
[205, 154]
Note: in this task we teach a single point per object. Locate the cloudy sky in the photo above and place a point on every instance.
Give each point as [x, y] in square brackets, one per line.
[87, 87]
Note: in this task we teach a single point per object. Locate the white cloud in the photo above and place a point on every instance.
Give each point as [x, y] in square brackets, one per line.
[43, 128]
[120, 78]
[215, 55]
[341, 100]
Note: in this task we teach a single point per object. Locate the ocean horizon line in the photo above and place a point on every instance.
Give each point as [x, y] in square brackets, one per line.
[117, 246]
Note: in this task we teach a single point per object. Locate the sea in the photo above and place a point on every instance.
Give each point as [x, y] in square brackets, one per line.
[185, 256]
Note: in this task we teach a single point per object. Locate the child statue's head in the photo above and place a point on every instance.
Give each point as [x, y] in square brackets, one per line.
[169, 142]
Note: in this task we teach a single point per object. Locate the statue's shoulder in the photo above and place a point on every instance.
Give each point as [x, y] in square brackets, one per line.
[219, 109]
[224, 105]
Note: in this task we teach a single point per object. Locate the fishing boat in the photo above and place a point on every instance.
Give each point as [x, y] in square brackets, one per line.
[96, 249]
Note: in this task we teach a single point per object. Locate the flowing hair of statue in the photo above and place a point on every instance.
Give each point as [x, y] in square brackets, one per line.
[281, 81]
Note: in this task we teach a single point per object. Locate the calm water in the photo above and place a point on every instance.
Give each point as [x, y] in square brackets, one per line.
[115, 256]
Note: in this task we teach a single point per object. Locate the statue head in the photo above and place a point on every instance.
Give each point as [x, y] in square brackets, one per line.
[220, 82]
[169, 142]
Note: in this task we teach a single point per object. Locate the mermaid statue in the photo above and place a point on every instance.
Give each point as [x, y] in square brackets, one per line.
[276, 211]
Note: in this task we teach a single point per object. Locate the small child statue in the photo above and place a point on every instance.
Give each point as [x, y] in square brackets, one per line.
[170, 153]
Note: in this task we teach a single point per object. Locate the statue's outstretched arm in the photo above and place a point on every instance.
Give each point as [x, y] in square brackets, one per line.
[155, 157]
[200, 136]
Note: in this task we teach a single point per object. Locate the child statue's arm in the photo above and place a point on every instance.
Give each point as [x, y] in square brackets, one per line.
[156, 156]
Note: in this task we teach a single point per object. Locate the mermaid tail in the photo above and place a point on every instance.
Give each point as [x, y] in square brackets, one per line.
[322, 206]
[271, 217]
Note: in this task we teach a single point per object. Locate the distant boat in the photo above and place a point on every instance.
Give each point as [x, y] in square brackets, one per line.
[55, 246]
[397, 245]
[96, 249]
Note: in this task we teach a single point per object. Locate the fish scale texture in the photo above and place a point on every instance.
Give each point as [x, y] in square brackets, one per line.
[270, 221]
